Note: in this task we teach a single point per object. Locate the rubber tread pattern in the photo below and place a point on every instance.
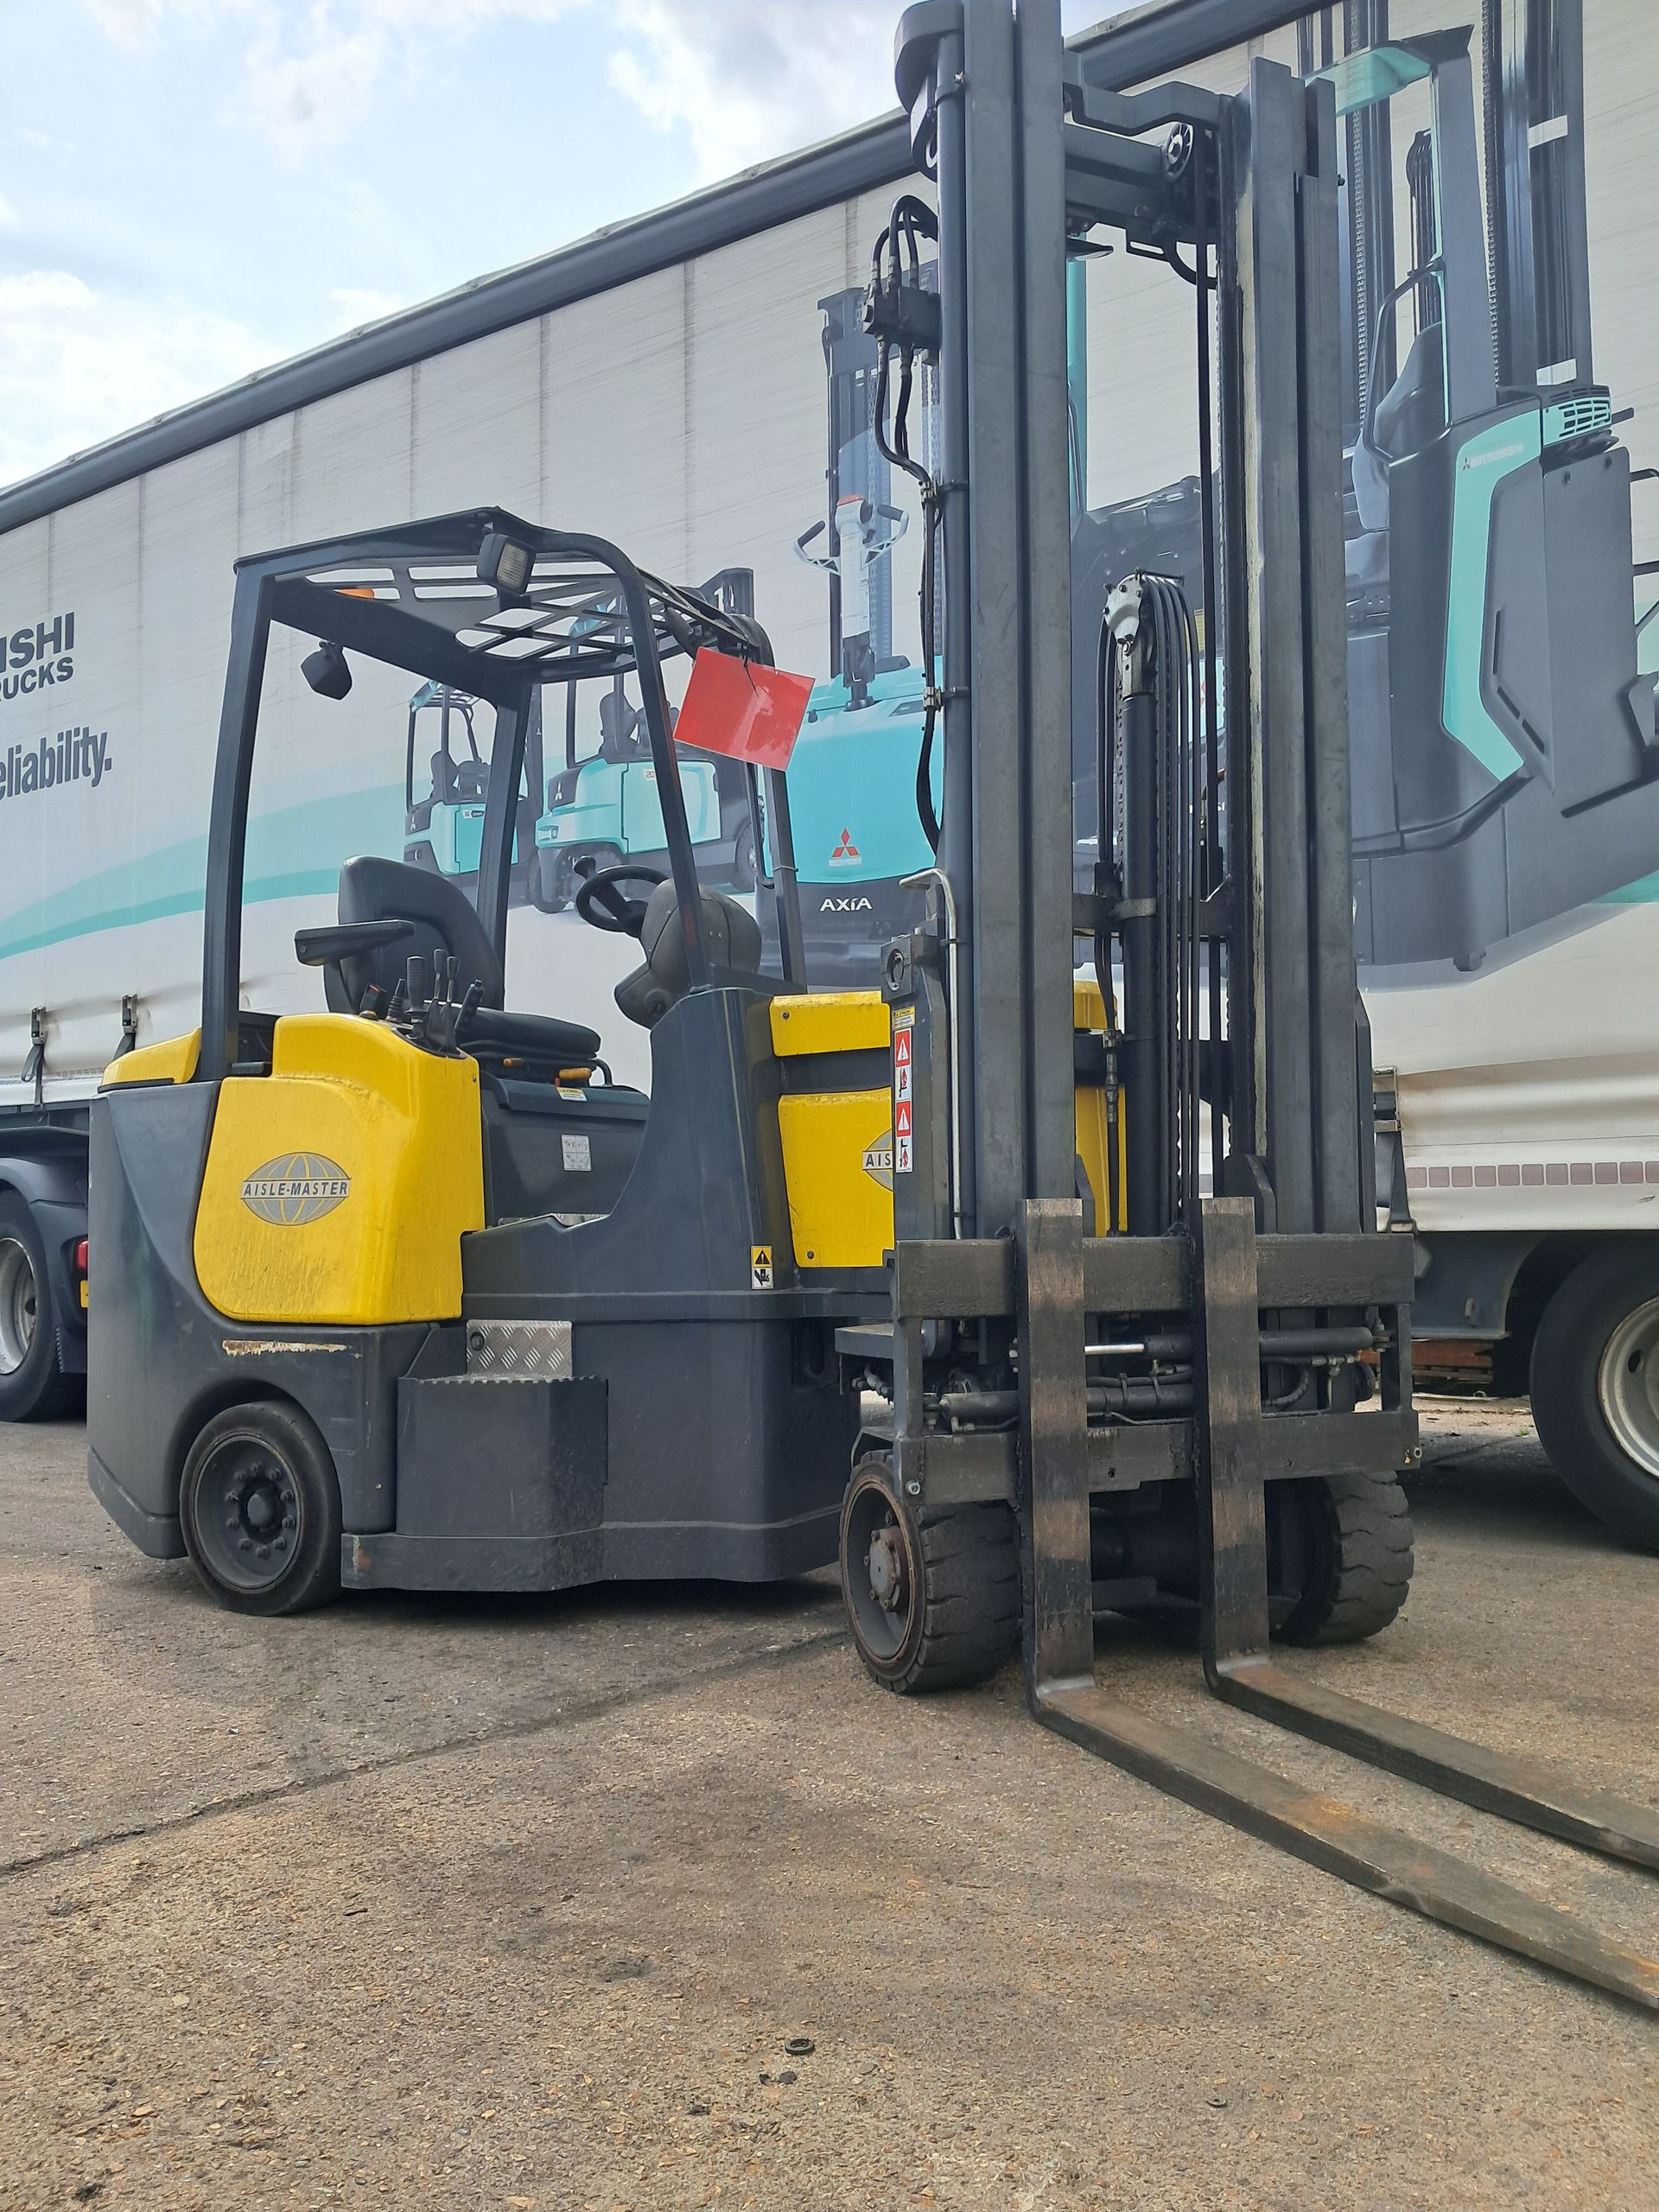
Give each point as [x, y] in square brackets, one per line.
[1362, 1561]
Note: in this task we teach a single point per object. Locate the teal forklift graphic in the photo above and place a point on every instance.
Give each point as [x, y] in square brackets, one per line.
[1505, 770]
[446, 773]
[604, 806]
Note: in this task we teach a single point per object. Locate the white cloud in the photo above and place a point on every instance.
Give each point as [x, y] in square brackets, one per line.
[127, 21]
[10, 218]
[77, 367]
[312, 70]
[749, 78]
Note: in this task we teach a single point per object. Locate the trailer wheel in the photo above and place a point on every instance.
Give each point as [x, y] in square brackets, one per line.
[1595, 1386]
[33, 1387]
[1353, 1540]
[259, 1507]
[932, 1594]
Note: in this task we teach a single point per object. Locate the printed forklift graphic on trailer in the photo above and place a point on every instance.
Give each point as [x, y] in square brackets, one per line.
[449, 1364]
[444, 789]
[1505, 770]
[604, 804]
[1492, 631]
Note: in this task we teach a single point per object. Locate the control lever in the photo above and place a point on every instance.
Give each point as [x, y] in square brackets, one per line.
[469, 1006]
[374, 1003]
[415, 980]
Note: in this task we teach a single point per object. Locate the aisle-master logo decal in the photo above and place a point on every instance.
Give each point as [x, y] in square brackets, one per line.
[295, 1188]
[73, 756]
[878, 1160]
[38, 654]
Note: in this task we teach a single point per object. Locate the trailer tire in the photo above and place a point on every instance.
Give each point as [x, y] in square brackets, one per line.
[1595, 1386]
[1356, 1552]
[259, 1509]
[932, 1593]
[33, 1386]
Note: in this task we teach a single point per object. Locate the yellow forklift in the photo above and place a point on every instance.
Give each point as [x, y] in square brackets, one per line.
[1044, 1282]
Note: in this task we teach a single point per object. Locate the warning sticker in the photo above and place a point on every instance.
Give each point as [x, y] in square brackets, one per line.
[760, 1265]
[577, 1153]
[903, 1021]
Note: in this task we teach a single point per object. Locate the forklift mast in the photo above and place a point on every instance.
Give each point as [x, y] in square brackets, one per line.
[1022, 1321]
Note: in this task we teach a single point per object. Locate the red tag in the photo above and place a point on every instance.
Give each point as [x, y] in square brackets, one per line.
[742, 711]
[902, 1118]
[901, 1049]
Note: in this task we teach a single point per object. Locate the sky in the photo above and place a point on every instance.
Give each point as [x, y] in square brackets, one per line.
[193, 189]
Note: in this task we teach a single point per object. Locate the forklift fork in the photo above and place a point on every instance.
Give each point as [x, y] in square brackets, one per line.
[1233, 1599]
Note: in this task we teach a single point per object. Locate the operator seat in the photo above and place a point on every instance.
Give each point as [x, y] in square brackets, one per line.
[622, 733]
[731, 939]
[446, 927]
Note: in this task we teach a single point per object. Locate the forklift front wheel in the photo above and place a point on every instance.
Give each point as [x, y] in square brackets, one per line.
[1347, 1551]
[548, 882]
[932, 1593]
[259, 1507]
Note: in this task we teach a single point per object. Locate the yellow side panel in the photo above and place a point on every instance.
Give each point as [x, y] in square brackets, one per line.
[1093, 1147]
[171, 1059]
[830, 1021]
[1094, 1141]
[838, 1165]
[1088, 1007]
[339, 1186]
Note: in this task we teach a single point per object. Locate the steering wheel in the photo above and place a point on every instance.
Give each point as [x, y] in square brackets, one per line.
[603, 903]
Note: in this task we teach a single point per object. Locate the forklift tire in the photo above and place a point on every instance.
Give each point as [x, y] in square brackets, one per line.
[33, 1387]
[544, 877]
[1356, 1554]
[1595, 1386]
[932, 1594]
[744, 876]
[259, 1508]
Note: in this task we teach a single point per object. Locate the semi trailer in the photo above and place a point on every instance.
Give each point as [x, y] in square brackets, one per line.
[638, 376]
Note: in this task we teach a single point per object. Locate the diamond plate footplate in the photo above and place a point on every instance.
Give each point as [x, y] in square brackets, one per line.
[515, 1351]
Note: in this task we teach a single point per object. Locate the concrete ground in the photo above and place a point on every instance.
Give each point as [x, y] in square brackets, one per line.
[524, 1903]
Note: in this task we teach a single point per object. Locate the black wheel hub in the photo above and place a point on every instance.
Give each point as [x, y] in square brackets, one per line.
[879, 1571]
[889, 1583]
[248, 1515]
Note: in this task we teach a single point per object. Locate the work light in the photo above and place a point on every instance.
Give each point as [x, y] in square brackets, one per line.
[503, 562]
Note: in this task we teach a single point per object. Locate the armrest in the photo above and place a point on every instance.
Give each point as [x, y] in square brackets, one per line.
[318, 948]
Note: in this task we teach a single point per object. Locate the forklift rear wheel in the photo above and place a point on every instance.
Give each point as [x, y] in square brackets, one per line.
[1352, 1540]
[1595, 1386]
[33, 1387]
[259, 1507]
[932, 1593]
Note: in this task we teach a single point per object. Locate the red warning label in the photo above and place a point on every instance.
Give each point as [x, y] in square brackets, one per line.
[902, 1118]
[901, 1049]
